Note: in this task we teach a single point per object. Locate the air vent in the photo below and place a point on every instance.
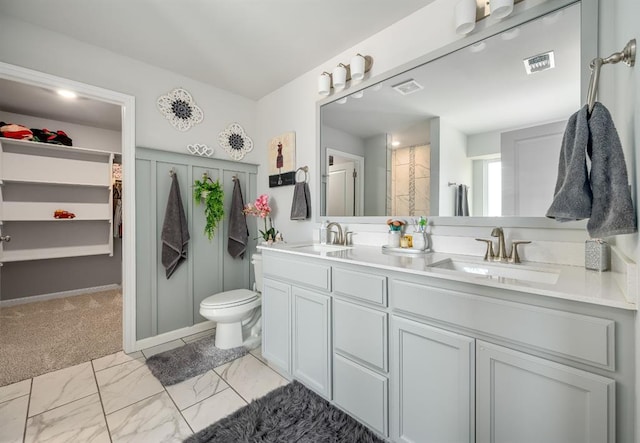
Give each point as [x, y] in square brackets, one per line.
[408, 87]
[540, 62]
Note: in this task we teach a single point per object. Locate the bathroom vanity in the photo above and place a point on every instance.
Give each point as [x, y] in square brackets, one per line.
[420, 349]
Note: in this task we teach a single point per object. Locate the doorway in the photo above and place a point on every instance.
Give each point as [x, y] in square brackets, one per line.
[345, 189]
[127, 137]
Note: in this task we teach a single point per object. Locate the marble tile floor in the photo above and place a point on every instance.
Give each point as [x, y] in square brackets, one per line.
[117, 399]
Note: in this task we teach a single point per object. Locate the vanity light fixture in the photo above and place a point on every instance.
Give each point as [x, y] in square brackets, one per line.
[501, 8]
[339, 77]
[341, 74]
[324, 83]
[67, 94]
[465, 16]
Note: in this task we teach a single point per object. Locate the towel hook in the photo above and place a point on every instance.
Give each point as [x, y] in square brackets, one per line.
[304, 169]
[627, 56]
[172, 172]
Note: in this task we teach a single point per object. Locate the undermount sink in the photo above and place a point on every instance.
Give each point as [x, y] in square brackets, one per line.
[499, 271]
[316, 247]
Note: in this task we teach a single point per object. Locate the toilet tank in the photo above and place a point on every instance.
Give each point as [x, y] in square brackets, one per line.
[256, 261]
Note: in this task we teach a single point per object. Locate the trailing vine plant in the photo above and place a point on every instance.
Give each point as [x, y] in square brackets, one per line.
[210, 193]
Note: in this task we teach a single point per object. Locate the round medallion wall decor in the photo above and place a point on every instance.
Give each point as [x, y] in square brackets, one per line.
[179, 108]
[235, 141]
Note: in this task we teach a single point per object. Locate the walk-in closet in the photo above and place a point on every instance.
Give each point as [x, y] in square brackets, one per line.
[61, 224]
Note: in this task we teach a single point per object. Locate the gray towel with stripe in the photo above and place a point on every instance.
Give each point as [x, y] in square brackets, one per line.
[238, 230]
[175, 232]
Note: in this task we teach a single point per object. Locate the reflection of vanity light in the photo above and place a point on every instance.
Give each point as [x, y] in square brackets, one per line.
[67, 94]
[358, 94]
[477, 47]
[510, 34]
[376, 87]
[552, 18]
[342, 101]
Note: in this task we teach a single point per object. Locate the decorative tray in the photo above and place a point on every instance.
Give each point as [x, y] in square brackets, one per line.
[409, 251]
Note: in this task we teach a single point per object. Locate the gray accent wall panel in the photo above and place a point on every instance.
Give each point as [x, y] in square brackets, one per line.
[164, 305]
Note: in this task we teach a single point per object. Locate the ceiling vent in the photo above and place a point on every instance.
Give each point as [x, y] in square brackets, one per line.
[540, 62]
[408, 87]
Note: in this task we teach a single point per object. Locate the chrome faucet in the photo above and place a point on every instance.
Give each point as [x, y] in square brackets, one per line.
[501, 254]
[337, 239]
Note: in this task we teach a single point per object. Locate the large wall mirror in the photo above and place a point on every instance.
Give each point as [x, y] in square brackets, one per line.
[474, 132]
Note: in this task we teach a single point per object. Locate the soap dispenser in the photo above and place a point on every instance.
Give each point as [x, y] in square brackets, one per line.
[323, 233]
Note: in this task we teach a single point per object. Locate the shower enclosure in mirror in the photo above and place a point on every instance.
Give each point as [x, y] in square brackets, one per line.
[489, 117]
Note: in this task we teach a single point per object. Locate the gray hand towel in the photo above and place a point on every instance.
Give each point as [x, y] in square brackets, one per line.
[612, 210]
[462, 201]
[301, 204]
[238, 230]
[572, 196]
[175, 233]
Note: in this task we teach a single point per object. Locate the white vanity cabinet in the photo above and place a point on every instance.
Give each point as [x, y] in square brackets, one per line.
[524, 398]
[420, 359]
[433, 378]
[296, 318]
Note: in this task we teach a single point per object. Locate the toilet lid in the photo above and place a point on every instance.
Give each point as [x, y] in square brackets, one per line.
[229, 298]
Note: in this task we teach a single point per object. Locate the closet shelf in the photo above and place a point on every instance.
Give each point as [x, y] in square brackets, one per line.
[46, 253]
[41, 211]
[48, 147]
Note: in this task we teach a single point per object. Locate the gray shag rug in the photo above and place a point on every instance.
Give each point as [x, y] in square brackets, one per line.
[291, 413]
[180, 364]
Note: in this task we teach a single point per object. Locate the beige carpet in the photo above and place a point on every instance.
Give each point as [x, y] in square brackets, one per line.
[41, 337]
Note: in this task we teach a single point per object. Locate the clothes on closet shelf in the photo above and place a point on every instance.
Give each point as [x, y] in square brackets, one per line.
[19, 132]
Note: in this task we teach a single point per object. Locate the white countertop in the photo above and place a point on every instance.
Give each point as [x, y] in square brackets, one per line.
[574, 282]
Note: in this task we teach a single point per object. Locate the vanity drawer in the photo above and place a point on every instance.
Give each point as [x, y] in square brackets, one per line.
[361, 392]
[361, 285]
[577, 337]
[360, 333]
[313, 275]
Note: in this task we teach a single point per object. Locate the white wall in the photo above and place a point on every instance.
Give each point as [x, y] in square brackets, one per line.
[375, 175]
[39, 49]
[454, 160]
[484, 144]
[82, 136]
[341, 141]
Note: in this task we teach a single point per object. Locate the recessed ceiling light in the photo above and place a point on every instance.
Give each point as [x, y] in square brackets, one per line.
[67, 94]
[395, 143]
[408, 87]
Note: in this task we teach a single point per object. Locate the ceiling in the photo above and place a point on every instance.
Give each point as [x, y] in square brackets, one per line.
[248, 47]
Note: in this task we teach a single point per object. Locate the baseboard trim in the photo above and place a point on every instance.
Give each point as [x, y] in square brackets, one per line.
[54, 295]
[156, 340]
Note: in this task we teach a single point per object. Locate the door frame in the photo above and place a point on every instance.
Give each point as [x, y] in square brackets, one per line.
[127, 104]
[359, 161]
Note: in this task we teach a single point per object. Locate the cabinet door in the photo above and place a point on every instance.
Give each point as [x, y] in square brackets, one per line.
[311, 340]
[528, 399]
[432, 384]
[276, 325]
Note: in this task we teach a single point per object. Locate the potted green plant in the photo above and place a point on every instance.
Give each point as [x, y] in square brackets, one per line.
[210, 193]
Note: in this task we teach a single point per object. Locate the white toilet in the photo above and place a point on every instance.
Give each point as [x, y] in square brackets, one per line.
[236, 313]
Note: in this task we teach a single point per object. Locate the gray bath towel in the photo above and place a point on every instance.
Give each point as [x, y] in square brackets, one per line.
[612, 210]
[462, 201]
[301, 204]
[175, 233]
[572, 196]
[238, 231]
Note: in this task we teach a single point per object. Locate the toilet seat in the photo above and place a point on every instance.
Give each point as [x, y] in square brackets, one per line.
[229, 299]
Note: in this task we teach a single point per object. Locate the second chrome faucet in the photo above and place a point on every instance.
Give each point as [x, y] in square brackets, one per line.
[501, 253]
